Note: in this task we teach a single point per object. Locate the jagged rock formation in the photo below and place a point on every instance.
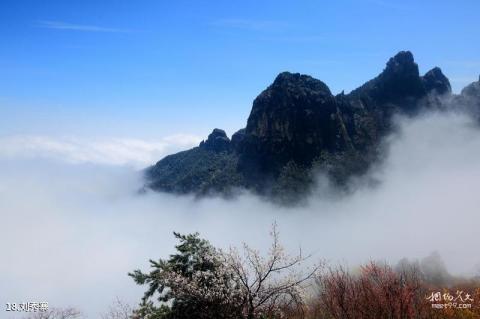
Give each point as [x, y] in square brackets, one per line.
[290, 121]
[472, 91]
[217, 141]
[296, 126]
[435, 81]
[469, 99]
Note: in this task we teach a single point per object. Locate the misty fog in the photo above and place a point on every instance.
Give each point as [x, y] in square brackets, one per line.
[71, 231]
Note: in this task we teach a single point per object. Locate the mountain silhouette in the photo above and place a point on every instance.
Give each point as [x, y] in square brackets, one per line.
[298, 127]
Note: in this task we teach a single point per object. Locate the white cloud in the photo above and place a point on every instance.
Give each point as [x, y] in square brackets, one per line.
[59, 25]
[70, 233]
[110, 151]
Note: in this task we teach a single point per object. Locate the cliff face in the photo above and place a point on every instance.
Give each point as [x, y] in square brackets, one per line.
[292, 120]
[399, 89]
[296, 125]
[297, 119]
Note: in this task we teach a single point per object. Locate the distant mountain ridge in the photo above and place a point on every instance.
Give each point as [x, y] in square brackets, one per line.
[296, 127]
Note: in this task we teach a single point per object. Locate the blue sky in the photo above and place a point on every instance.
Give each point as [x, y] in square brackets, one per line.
[89, 84]
[148, 69]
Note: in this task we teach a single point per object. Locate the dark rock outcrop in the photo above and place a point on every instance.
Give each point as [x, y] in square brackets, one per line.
[293, 119]
[469, 99]
[472, 91]
[399, 83]
[399, 89]
[217, 141]
[435, 81]
[297, 126]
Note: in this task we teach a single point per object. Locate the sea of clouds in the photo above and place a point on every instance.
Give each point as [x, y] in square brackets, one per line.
[73, 223]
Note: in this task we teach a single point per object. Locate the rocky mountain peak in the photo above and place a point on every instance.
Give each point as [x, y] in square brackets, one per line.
[294, 118]
[402, 63]
[291, 97]
[297, 81]
[435, 80]
[399, 79]
[217, 141]
[472, 90]
[399, 82]
[297, 127]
